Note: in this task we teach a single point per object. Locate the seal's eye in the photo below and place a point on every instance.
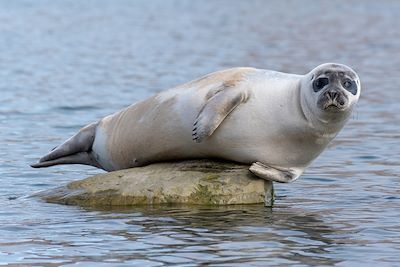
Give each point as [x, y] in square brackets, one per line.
[347, 84]
[350, 86]
[320, 83]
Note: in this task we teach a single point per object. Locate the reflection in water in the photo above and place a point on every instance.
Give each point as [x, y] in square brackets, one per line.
[226, 235]
[67, 63]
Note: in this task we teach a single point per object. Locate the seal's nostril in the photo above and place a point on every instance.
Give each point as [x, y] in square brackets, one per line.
[332, 94]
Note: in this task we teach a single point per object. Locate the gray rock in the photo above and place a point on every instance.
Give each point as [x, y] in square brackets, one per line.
[187, 182]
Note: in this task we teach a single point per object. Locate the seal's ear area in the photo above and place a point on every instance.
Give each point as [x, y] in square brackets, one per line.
[215, 110]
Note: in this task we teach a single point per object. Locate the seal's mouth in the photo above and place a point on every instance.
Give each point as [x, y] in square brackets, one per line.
[333, 107]
[332, 101]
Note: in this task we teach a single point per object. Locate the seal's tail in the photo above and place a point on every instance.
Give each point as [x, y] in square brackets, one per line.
[76, 150]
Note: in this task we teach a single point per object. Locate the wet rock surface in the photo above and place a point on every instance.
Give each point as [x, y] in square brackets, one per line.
[186, 182]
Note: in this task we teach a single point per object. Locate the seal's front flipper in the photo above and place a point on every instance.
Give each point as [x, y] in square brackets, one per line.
[75, 150]
[215, 110]
[274, 174]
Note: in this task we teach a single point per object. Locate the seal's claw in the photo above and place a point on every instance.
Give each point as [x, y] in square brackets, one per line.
[196, 137]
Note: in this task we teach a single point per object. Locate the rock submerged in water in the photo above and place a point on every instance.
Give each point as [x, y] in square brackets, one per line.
[187, 182]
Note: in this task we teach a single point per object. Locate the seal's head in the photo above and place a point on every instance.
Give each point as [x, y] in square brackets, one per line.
[332, 91]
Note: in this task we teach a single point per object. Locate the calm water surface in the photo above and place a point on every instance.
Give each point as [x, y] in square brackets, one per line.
[64, 64]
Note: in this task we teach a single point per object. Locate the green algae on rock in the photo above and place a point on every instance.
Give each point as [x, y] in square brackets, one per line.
[201, 182]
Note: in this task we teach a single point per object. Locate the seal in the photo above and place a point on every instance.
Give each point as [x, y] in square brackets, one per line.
[277, 122]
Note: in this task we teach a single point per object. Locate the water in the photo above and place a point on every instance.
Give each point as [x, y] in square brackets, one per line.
[64, 64]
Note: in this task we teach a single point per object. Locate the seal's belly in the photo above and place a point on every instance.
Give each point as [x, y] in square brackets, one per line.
[282, 151]
[272, 152]
[136, 139]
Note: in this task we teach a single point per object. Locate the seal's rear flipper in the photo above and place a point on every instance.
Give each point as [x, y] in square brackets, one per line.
[75, 150]
[78, 158]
